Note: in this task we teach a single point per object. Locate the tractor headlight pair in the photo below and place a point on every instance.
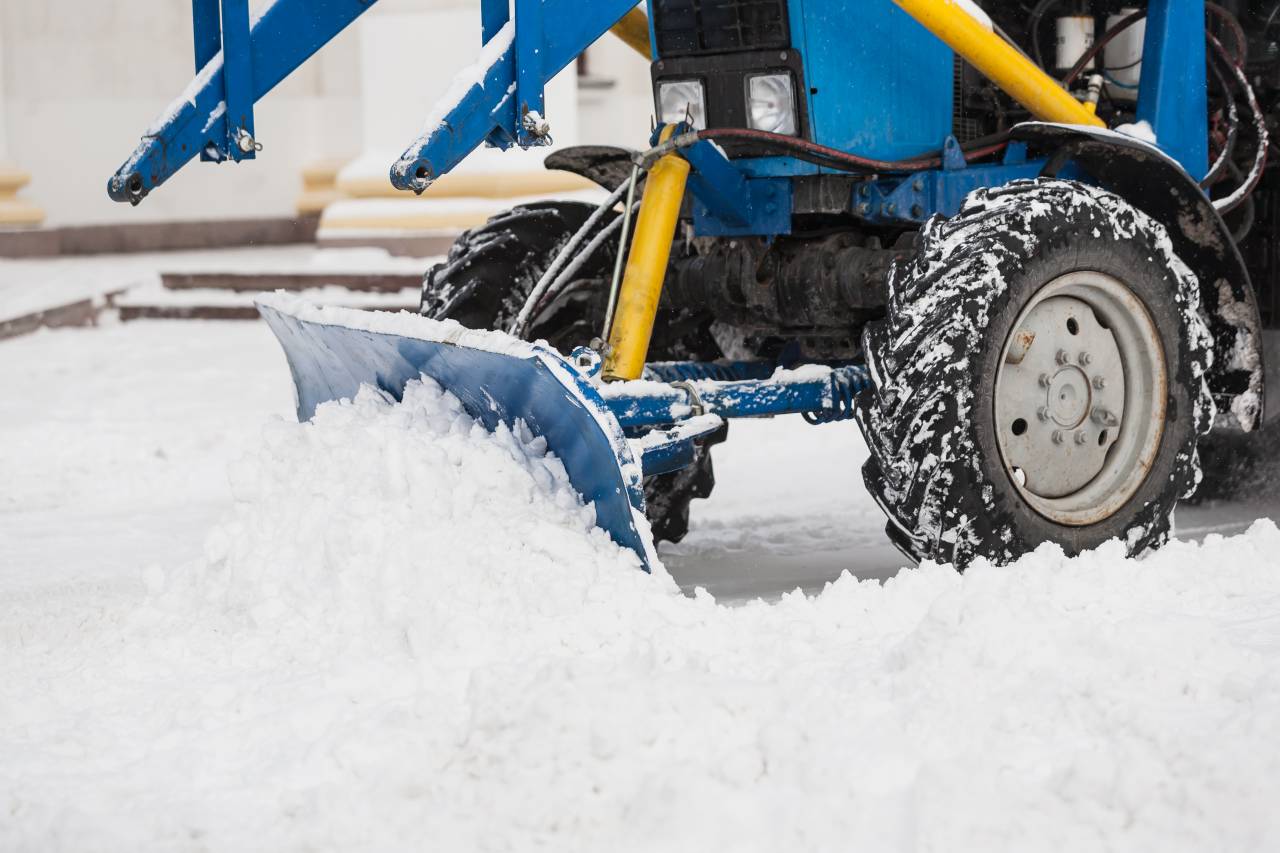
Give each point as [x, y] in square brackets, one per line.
[770, 102]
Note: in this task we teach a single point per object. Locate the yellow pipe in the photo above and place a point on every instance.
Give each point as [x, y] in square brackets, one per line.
[1000, 62]
[633, 28]
[646, 266]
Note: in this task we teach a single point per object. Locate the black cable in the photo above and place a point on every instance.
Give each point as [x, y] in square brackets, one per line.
[1033, 26]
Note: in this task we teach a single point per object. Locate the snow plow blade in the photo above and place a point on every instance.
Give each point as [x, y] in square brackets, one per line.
[332, 352]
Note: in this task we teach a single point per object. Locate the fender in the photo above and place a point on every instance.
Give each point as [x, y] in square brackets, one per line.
[607, 166]
[1156, 184]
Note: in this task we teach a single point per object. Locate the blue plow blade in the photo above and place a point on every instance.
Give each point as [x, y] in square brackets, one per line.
[332, 353]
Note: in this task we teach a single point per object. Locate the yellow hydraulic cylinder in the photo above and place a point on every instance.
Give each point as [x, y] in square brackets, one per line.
[633, 29]
[646, 267]
[1000, 62]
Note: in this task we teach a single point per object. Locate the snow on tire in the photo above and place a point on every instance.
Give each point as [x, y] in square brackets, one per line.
[939, 464]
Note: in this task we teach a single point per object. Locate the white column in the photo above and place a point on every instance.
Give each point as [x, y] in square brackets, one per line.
[14, 212]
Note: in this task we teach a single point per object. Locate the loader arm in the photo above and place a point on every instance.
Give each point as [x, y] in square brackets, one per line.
[258, 57]
[499, 99]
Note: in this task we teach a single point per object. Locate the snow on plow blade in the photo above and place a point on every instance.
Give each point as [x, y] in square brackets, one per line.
[499, 380]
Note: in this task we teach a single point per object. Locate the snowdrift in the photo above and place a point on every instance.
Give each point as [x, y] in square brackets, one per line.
[410, 636]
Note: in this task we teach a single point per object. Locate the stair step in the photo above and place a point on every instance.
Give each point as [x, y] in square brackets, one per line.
[259, 281]
[129, 313]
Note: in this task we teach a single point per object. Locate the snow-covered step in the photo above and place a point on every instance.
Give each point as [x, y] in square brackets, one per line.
[82, 312]
[254, 282]
[157, 302]
[74, 290]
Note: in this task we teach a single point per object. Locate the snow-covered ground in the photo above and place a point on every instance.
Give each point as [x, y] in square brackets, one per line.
[222, 630]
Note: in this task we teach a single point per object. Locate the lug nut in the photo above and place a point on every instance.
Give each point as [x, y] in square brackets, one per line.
[1063, 356]
[1086, 359]
[1081, 438]
[1044, 380]
[1099, 383]
[1042, 413]
[1057, 436]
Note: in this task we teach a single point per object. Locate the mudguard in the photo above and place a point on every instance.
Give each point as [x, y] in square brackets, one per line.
[605, 165]
[332, 352]
[1156, 184]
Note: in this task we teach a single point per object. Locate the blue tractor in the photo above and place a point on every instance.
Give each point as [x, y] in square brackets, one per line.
[1005, 238]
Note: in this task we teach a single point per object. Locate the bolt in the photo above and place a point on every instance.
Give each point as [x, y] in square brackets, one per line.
[1081, 438]
[245, 142]
[1099, 383]
[1044, 380]
[1057, 436]
[918, 185]
[917, 211]
[1042, 413]
[864, 209]
[892, 209]
[1063, 357]
[1086, 359]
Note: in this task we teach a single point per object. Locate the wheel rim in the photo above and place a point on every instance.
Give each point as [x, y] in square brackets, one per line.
[1080, 398]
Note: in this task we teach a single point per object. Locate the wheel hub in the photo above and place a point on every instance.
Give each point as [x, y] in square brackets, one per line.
[1068, 399]
[1083, 353]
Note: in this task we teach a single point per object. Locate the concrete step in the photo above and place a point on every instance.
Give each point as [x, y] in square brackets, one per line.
[255, 282]
[130, 312]
[82, 312]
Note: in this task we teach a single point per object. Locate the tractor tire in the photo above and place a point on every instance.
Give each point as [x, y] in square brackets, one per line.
[1039, 377]
[489, 273]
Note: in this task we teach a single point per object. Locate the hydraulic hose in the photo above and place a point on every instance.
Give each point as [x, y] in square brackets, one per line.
[834, 158]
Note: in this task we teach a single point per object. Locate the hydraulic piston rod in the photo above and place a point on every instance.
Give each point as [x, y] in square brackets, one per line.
[646, 265]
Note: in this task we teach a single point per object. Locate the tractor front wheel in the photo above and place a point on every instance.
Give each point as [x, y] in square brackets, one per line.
[1039, 378]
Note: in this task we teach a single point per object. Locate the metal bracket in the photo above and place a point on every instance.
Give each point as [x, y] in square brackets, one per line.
[221, 33]
[729, 203]
[915, 198]
[514, 69]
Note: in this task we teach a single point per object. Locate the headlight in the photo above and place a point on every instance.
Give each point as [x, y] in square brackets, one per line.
[771, 103]
[680, 98]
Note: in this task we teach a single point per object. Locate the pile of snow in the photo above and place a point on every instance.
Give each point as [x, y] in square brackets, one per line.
[410, 636]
